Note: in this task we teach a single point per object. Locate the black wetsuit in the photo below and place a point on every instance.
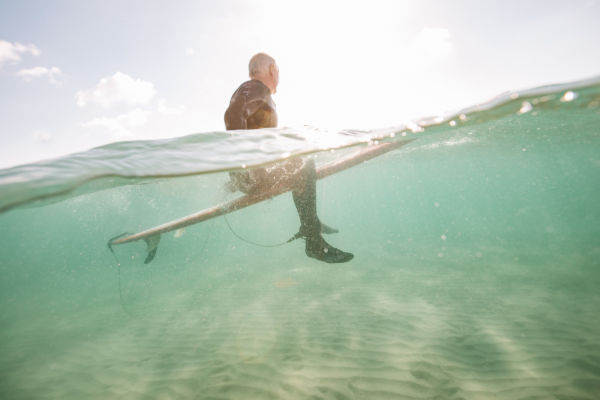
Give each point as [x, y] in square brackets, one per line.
[251, 107]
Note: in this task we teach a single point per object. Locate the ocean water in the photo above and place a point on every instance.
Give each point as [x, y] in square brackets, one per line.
[476, 272]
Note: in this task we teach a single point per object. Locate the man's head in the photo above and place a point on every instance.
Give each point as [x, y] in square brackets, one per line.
[263, 67]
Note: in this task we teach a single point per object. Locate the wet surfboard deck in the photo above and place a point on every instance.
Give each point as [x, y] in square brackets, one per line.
[323, 171]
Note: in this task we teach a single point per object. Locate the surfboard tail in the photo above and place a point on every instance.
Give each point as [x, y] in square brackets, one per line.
[151, 245]
[111, 241]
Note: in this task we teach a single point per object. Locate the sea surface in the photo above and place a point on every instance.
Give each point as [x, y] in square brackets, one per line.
[476, 272]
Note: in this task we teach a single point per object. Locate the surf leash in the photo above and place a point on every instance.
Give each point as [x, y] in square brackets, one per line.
[296, 236]
[109, 244]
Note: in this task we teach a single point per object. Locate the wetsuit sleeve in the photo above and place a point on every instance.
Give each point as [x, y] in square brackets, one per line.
[260, 115]
[234, 116]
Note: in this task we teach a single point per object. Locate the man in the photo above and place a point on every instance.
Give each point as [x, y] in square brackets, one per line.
[251, 107]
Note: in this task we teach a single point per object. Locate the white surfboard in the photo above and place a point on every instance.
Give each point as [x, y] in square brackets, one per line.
[152, 235]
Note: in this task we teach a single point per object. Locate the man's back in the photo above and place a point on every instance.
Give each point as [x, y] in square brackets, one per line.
[251, 107]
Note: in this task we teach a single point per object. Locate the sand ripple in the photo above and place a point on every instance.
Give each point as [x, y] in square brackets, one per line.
[317, 339]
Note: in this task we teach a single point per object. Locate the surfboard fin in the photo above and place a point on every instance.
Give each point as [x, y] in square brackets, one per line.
[326, 229]
[152, 246]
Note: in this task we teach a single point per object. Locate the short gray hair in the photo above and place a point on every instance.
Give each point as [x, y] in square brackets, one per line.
[259, 64]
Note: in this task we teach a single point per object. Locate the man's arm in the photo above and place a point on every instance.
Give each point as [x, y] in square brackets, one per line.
[259, 114]
[234, 116]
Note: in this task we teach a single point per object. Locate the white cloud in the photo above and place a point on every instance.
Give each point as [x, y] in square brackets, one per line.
[11, 52]
[164, 109]
[430, 45]
[120, 126]
[54, 74]
[118, 88]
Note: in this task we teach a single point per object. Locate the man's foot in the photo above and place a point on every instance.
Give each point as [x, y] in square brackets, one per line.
[318, 248]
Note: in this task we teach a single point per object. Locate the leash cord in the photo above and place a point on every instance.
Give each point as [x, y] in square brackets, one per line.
[109, 244]
[296, 236]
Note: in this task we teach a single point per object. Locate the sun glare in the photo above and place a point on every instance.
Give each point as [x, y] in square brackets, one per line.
[353, 65]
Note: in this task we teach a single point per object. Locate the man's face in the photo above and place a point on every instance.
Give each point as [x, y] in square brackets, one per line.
[275, 76]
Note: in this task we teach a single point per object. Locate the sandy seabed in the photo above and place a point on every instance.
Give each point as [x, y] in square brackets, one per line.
[308, 331]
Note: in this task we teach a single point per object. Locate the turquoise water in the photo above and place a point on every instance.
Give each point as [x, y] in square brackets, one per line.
[476, 271]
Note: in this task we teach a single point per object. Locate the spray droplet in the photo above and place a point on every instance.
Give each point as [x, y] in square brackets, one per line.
[443, 237]
[568, 96]
[525, 107]
[452, 123]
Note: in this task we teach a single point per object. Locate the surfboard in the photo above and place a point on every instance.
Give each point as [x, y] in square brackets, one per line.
[152, 235]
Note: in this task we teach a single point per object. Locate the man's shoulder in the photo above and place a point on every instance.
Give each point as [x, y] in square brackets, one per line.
[253, 88]
[254, 83]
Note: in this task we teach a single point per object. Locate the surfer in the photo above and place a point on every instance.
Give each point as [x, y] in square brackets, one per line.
[251, 107]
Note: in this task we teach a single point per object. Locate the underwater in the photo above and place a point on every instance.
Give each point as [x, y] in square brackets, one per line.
[475, 272]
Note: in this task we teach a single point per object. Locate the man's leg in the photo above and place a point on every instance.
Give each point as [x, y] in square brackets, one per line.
[305, 199]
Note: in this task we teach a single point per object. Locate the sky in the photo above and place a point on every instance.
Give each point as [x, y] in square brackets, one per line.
[79, 74]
